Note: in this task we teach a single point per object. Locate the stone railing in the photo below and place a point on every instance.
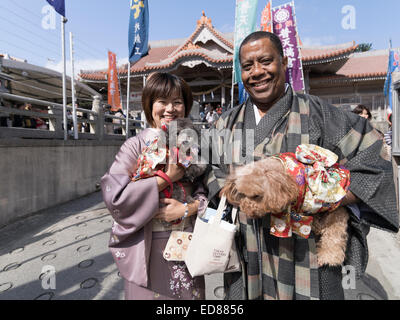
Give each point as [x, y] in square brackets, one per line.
[92, 124]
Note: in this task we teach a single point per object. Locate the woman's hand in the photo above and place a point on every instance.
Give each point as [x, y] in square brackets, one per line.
[172, 210]
[174, 171]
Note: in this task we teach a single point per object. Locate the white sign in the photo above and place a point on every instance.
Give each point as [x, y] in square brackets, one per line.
[136, 96]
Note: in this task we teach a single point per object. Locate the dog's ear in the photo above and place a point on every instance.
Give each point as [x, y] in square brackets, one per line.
[281, 190]
[230, 192]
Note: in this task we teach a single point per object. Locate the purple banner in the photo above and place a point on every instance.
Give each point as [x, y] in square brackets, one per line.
[284, 25]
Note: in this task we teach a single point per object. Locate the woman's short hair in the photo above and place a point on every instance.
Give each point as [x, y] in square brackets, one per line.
[359, 110]
[164, 85]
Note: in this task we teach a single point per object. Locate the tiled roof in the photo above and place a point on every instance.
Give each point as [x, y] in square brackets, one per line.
[164, 57]
[316, 54]
[366, 65]
[166, 53]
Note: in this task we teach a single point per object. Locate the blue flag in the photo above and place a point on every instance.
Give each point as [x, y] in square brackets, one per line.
[243, 95]
[138, 29]
[58, 5]
[392, 67]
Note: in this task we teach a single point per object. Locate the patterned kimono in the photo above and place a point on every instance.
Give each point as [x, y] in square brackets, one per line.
[286, 268]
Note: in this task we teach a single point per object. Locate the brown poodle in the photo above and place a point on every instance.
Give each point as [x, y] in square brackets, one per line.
[265, 187]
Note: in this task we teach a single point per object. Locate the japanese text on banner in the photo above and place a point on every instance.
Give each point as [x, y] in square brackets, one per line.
[285, 28]
[246, 13]
[113, 87]
[138, 29]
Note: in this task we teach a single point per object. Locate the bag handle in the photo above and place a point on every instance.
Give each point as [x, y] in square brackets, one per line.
[234, 212]
[220, 211]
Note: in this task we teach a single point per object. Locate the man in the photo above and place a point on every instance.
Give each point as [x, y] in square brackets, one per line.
[280, 120]
[211, 117]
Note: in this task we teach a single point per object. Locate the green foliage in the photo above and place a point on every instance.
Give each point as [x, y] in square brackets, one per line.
[363, 47]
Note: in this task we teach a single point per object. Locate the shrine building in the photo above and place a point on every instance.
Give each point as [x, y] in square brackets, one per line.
[205, 59]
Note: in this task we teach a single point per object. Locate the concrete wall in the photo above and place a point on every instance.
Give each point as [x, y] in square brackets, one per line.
[38, 174]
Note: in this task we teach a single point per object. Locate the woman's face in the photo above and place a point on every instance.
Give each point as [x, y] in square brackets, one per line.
[364, 114]
[167, 109]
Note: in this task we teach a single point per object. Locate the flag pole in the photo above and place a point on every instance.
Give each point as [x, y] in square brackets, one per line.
[73, 87]
[234, 55]
[127, 100]
[63, 22]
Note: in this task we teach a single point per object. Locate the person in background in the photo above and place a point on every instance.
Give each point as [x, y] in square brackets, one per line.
[41, 122]
[211, 117]
[27, 121]
[363, 111]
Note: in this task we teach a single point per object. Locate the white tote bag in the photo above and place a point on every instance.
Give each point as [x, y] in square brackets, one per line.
[212, 248]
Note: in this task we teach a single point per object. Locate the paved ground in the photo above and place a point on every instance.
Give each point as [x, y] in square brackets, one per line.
[71, 240]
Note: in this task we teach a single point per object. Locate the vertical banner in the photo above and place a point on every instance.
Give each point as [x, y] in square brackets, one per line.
[138, 33]
[266, 18]
[284, 26]
[113, 87]
[393, 66]
[245, 23]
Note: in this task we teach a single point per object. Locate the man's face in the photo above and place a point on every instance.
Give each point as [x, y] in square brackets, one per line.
[263, 72]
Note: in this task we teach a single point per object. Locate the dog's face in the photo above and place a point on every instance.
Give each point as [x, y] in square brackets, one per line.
[260, 188]
[183, 135]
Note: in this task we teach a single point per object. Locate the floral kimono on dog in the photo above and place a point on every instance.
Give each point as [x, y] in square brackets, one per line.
[287, 268]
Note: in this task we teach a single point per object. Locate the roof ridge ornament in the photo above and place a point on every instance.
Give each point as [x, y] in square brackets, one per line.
[204, 20]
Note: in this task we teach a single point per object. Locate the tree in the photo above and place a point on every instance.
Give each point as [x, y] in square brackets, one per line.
[363, 47]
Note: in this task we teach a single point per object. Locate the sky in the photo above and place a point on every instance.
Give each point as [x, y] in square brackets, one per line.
[28, 32]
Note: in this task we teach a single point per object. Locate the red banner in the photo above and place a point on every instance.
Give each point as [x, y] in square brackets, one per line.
[113, 88]
[266, 18]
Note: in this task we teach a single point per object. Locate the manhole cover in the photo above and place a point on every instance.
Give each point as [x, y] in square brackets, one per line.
[18, 250]
[365, 296]
[86, 264]
[88, 283]
[12, 266]
[45, 296]
[5, 286]
[83, 248]
[49, 242]
[49, 257]
[219, 292]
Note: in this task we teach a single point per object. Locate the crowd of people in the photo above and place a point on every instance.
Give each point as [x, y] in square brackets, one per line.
[272, 267]
[25, 121]
[210, 114]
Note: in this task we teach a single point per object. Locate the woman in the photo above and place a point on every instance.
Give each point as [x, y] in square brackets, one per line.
[363, 112]
[141, 228]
